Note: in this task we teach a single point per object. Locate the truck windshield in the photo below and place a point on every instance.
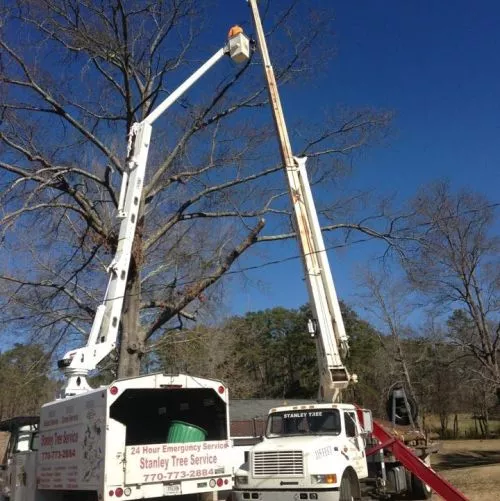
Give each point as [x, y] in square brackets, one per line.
[306, 422]
[23, 441]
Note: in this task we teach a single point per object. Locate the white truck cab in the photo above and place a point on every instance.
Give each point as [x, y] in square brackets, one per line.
[308, 452]
[18, 458]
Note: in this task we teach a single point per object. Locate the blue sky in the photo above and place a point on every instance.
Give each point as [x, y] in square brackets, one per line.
[437, 66]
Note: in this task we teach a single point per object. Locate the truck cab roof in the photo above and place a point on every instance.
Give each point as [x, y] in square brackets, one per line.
[15, 423]
[324, 405]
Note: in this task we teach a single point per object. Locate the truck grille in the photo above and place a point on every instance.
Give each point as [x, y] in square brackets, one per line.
[289, 463]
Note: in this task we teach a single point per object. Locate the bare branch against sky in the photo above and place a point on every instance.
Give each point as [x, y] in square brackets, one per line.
[74, 77]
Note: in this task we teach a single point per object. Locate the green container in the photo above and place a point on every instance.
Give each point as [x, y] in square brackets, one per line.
[181, 432]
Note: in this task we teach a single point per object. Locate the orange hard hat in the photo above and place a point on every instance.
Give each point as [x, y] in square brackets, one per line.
[235, 30]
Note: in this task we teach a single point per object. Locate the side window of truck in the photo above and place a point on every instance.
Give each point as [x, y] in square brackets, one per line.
[35, 440]
[350, 424]
[23, 441]
[277, 425]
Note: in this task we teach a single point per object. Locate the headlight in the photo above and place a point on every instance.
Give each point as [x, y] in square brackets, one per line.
[329, 478]
[241, 480]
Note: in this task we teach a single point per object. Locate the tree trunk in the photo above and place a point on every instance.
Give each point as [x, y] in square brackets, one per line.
[443, 418]
[481, 426]
[404, 367]
[132, 336]
[132, 340]
[455, 426]
[486, 419]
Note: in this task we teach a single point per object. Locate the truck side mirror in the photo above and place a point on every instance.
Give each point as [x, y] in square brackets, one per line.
[367, 423]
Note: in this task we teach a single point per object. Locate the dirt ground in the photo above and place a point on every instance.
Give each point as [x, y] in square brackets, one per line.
[472, 466]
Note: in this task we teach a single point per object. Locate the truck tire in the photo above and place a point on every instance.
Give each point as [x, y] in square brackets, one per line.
[419, 489]
[350, 489]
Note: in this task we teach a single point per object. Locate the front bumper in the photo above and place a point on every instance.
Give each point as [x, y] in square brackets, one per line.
[330, 494]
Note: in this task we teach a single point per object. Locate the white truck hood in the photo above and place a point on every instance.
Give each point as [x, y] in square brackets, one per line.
[321, 454]
[306, 443]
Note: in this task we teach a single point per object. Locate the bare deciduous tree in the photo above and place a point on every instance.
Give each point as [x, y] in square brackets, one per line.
[75, 75]
[388, 299]
[457, 265]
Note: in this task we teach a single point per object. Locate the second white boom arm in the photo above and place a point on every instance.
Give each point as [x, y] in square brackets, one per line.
[328, 326]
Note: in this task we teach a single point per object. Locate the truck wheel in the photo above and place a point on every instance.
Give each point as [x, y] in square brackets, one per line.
[420, 490]
[349, 487]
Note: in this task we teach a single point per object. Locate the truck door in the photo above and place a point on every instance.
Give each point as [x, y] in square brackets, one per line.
[356, 446]
[5, 438]
[23, 467]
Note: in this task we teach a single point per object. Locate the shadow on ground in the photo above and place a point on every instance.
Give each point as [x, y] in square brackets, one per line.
[466, 459]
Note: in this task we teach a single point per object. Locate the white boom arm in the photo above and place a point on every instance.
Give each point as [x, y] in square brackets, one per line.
[76, 364]
[328, 328]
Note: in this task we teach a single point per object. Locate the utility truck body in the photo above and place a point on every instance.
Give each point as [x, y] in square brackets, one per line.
[330, 452]
[130, 439]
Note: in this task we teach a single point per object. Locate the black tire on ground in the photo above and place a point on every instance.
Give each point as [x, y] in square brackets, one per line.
[420, 490]
[349, 486]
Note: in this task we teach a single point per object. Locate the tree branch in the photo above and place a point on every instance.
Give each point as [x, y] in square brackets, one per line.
[198, 287]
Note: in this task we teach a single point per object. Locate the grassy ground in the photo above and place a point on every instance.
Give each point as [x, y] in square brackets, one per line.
[466, 425]
[473, 466]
